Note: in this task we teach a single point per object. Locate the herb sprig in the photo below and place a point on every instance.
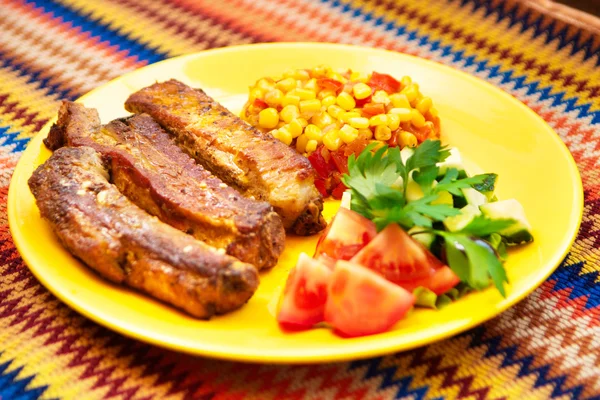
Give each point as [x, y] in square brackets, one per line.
[378, 181]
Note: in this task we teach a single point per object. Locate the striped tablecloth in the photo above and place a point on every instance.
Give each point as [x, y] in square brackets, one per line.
[548, 346]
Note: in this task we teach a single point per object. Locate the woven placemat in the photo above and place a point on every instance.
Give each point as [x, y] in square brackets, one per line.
[548, 346]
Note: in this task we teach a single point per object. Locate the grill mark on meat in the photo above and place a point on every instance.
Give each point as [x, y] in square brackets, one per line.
[152, 171]
[253, 162]
[120, 241]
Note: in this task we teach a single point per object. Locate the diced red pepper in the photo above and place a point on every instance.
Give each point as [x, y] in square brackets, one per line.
[362, 102]
[338, 191]
[319, 164]
[330, 84]
[321, 187]
[260, 104]
[393, 142]
[384, 82]
[341, 162]
[371, 109]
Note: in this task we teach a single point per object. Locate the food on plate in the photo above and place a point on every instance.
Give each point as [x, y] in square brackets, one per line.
[405, 262]
[148, 167]
[251, 161]
[415, 229]
[328, 115]
[361, 302]
[303, 301]
[124, 244]
[347, 233]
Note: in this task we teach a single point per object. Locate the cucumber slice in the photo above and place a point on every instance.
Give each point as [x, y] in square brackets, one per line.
[457, 222]
[474, 197]
[425, 238]
[520, 231]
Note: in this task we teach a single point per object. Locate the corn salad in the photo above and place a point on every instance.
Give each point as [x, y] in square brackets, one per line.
[328, 115]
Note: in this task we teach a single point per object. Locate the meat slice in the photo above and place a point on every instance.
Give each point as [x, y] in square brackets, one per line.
[153, 172]
[123, 243]
[251, 161]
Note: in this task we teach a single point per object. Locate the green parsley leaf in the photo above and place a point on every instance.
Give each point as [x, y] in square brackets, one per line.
[482, 226]
[425, 178]
[495, 239]
[428, 153]
[473, 263]
[454, 186]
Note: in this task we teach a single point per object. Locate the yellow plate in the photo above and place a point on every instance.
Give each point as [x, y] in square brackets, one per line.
[492, 130]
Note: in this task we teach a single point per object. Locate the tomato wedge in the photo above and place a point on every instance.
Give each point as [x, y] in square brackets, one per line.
[361, 302]
[305, 294]
[439, 282]
[384, 82]
[346, 235]
[404, 261]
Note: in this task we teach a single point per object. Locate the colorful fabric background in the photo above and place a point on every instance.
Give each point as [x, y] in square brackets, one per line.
[548, 346]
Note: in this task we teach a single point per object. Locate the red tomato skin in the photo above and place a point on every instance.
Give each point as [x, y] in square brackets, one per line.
[405, 262]
[439, 282]
[303, 301]
[346, 235]
[384, 82]
[396, 256]
[360, 302]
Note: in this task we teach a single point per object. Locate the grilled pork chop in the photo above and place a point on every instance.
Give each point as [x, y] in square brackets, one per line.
[149, 168]
[120, 241]
[253, 162]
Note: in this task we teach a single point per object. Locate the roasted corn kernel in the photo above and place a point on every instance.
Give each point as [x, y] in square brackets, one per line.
[424, 105]
[399, 100]
[393, 121]
[407, 139]
[405, 114]
[383, 133]
[322, 119]
[283, 135]
[295, 127]
[345, 101]
[348, 134]
[274, 97]
[311, 146]
[328, 101]
[268, 118]
[301, 143]
[310, 106]
[332, 140]
[381, 96]
[286, 84]
[313, 132]
[417, 119]
[358, 122]
[380, 119]
[366, 134]
[336, 111]
[361, 91]
[289, 112]
[290, 99]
